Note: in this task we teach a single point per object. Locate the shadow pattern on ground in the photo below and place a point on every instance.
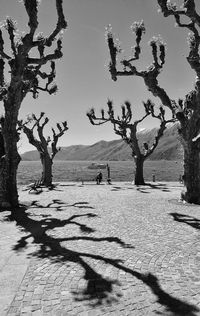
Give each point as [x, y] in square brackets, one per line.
[99, 290]
[143, 188]
[59, 205]
[161, 186]
[186, 219]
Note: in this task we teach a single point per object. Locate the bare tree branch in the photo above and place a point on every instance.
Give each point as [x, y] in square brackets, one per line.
[30, 135]
[31, 7]
[188, 10]
[150, 75]
[43, 60]
[11, 28]
[2, 53]
[62, 129]
[61, 23]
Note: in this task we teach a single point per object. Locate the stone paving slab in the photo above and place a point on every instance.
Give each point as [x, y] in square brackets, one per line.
[101, 250]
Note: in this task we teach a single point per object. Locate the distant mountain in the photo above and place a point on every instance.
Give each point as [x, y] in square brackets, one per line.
[169, 148]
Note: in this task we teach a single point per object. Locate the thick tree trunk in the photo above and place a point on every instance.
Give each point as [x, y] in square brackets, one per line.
[139, 165]
[46, 169]
[191, 173]
[10, 160]
[8, 181]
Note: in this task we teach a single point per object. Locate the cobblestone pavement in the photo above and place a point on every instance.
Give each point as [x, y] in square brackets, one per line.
[93, 250]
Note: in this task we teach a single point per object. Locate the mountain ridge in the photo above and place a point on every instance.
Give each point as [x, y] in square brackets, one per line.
[169, 148]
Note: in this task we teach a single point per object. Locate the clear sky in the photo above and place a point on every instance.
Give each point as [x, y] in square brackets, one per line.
[82, 74]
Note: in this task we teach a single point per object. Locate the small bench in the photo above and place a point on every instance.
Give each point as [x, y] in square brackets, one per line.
[83, 180]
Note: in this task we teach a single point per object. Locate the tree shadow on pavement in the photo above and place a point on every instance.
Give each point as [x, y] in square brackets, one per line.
[99, 289]
[186, 219]
[34, 189]
[59, 205]
[144, 187]
[160, 186]
[117, 188]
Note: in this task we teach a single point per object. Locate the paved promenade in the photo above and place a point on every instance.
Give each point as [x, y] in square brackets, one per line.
[107, 250]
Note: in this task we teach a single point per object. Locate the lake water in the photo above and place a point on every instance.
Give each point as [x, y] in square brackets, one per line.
[29, 171]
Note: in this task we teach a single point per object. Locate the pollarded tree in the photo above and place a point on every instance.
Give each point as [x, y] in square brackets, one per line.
[187, 110]
[42, 144]
[26, 74]
[128, 131]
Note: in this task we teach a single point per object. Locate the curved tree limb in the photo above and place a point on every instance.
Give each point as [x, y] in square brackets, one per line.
[61, 23]
[151, 74]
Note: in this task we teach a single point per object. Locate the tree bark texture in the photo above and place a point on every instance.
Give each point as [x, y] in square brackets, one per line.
[10, 160]
[46, 169]
[139, 166]
[191, 173]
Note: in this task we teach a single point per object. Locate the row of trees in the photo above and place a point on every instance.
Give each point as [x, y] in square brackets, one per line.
[186, 110]
[47, 148]
[20, 74]
[127, 128]
[123, 126]
[26, 76]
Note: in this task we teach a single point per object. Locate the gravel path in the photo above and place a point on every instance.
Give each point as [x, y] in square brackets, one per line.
[101, 250]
